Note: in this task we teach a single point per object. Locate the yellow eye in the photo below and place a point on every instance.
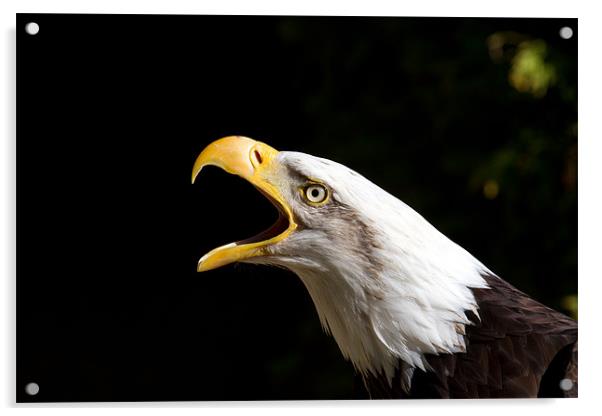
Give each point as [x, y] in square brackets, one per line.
[316, 193]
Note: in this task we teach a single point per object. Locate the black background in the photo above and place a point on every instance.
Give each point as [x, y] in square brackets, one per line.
[113, 110]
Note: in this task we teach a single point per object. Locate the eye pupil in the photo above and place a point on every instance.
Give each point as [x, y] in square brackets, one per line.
[315, 193]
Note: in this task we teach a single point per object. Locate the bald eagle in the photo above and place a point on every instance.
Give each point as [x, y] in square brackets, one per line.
[416, 314]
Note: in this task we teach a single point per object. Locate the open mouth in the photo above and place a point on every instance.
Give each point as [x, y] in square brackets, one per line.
[280, 226]
[257, 163]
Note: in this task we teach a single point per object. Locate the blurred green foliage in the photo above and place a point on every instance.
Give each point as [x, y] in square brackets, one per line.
[529, 70]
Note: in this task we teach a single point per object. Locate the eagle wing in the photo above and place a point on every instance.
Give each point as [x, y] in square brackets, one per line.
[517, 347]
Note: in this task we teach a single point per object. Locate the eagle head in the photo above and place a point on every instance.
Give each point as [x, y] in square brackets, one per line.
[386, 284]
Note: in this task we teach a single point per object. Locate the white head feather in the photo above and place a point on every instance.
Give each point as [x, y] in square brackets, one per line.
[386, 284]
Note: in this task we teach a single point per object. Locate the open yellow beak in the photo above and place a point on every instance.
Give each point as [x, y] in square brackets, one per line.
[256, 162]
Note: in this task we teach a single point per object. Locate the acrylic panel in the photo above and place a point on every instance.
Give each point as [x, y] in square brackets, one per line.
[471, 122]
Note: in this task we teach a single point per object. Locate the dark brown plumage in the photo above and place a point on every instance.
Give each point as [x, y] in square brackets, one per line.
[519, 348]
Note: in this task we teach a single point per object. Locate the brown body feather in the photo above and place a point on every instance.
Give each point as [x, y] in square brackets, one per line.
[518, 348]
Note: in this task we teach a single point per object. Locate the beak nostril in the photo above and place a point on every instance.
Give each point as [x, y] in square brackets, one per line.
[258, 156]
